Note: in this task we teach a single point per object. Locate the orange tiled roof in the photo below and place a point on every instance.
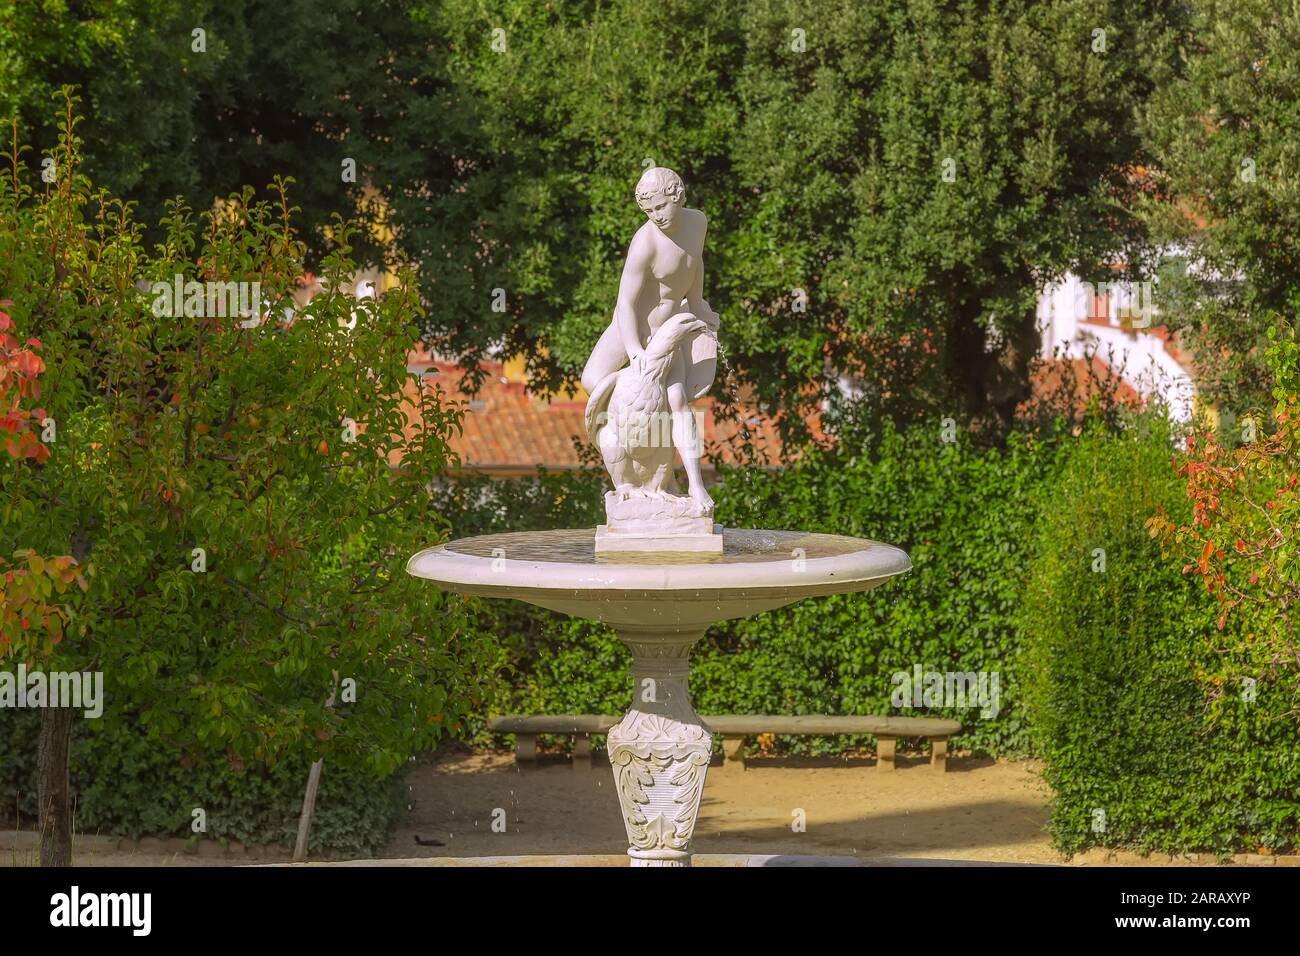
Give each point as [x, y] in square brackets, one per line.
[506, 429]
[1048, 376]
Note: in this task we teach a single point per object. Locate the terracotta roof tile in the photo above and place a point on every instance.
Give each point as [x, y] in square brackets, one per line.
[508, 430]
[1048, 377]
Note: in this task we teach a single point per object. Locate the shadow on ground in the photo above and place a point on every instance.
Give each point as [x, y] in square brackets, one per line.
[484, 804]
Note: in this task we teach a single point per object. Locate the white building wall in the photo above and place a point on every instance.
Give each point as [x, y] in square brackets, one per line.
[1138, 356]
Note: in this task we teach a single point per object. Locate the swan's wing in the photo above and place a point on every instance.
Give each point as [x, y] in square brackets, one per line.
[597, 403]
[699, 345]
[703, 365]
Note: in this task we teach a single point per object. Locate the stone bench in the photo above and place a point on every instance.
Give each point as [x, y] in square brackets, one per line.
[733, 730]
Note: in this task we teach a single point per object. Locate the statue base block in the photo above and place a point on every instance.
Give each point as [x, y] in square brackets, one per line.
[610, 539]
[657, 523]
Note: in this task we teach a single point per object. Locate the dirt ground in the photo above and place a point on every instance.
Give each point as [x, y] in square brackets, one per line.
[980, 810]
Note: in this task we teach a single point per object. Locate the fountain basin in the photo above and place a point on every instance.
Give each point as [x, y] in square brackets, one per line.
[757, 571]
[659, 604]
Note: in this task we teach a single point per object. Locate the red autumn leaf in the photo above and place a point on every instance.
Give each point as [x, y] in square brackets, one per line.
[28, 363]
[1206, 552]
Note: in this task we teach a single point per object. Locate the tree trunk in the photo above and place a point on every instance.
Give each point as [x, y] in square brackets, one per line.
[53, 792]
[308, 812]
[992, 383]
[309, 798]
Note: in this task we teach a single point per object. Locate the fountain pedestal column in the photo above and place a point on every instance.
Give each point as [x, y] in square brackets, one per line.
[660, 750]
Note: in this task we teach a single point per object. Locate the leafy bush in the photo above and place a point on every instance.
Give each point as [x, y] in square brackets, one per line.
[1243, 540]
[964, 515]
[1114, 660]
[128, 785]
[222, 473]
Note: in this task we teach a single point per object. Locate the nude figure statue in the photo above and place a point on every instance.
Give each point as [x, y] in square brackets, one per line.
[663, 278]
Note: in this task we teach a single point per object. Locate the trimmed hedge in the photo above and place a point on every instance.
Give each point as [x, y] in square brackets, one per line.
[128, 785]
[1098, 670]
[965, 515]
[1114, 666]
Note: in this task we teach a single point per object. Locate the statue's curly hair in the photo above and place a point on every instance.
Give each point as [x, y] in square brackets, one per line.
[660, 179]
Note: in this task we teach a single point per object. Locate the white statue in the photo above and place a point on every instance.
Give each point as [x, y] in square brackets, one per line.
[659, 352]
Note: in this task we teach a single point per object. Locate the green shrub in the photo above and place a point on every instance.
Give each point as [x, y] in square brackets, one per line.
[1114, 662]
[131, 786]
[965, 516]
[222, 477]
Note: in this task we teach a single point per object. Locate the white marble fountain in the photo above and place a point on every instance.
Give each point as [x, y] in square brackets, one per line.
[660, 571]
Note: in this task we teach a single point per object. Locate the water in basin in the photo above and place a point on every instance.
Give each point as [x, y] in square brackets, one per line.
[577, 546]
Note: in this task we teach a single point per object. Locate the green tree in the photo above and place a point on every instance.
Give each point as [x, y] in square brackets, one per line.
[228, 476]
[817, 139]
[141, 80]
[1225, 134]
[506, 139]
[923, 169]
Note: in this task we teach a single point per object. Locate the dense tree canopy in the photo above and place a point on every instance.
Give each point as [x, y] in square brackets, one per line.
[889, 184]
[1225, 132]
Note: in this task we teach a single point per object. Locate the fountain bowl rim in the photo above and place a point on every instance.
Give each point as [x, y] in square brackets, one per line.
[853, 570]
